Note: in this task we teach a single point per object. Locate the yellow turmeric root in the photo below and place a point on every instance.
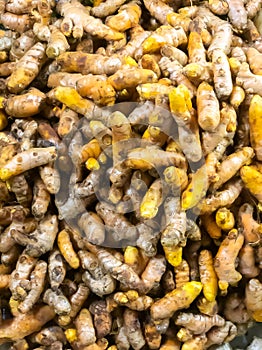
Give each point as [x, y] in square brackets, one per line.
[71, 98]
[180, 103]
[222, 198]
[224, 262]
[152, 200]
[91, 150]
[251, 83]
[173, 254]
[27, 160]
[252, 178]
[66, 248]
[179, 298]
[253, 299]
[25, 324]
[128, 16]
[85, 63]
[229, 167]
[25, 105]
[254, 58]
[182, 274]
[77, 20]
[16, 22]
[222, 74]
[27, 68]
[152, 157]
[225, 219]
[57, 43]
[208, 275]
[196, 189]
[237, 96]
[198, 324]
[255, 122]
[196, 49]
[165, 34]
[207, 107]
[130, 78]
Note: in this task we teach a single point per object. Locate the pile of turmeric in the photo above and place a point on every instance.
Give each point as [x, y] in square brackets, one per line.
[130, 173]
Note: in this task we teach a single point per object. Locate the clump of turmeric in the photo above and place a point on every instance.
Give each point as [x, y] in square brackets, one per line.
[120, 123]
